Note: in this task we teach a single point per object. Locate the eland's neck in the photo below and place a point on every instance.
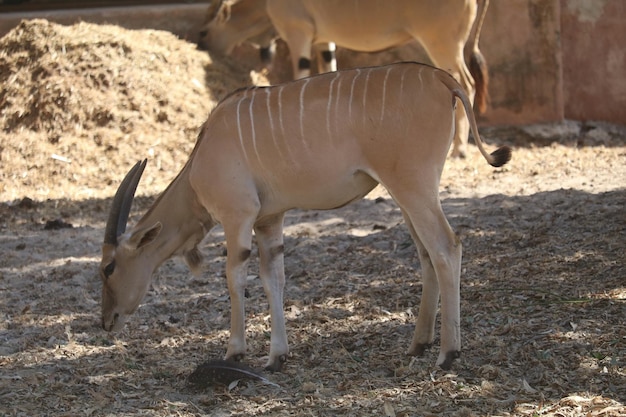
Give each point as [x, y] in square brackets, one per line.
[184, 221]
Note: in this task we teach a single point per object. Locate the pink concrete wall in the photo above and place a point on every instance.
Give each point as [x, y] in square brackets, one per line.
[520, 40]
[594, 59]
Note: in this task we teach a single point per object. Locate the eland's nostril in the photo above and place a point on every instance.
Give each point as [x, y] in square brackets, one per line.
[203, 43]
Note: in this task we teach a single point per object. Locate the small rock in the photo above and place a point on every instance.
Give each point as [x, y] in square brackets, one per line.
[57, 224]
[26, 203]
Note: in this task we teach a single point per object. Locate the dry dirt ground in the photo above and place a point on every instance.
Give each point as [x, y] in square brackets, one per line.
[543, 284]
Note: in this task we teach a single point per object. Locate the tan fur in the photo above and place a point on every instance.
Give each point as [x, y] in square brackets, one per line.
[315, 143]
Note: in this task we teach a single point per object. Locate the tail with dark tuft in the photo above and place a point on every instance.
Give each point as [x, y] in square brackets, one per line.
[501, 156]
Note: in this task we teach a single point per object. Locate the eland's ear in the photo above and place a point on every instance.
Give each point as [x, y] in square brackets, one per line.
[144, 236]
[223, 14]
[214, 7]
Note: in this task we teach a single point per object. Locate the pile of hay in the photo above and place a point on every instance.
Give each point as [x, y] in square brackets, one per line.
[80, 104]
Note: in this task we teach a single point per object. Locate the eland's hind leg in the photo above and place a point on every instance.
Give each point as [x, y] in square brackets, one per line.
[425, 325]
[440, 253]
[269, 236]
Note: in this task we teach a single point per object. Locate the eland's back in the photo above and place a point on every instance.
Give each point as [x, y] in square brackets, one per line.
[337, 134]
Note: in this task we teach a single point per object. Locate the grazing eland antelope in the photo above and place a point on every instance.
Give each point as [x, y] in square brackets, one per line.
[230, 23]
[443, 27]
[315, 143]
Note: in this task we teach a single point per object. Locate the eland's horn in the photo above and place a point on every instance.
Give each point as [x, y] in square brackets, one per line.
[214, 7]
[120, 209]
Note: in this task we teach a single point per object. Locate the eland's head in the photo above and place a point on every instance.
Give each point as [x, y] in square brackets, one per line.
[124, 271]
[229, 23]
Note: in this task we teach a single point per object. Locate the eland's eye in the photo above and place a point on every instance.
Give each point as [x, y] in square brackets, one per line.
[108, 270]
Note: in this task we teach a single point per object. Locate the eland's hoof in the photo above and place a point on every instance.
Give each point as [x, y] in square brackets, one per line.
[235, 358]
[276, 365]
[418, 349]
[449, 357]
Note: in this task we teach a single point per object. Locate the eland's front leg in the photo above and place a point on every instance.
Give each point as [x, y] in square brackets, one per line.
[238, 246]
[269, 236]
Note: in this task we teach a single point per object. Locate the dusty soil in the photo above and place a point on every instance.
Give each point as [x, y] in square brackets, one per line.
[543, 286]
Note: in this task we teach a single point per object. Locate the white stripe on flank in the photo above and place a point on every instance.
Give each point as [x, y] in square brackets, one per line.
[367, 81]
[302, 108]
[280, 110]
[250, 112]
[272, 129]
[402, 82]
[337, 105]
[419, 75]
[358, 71]
[330, 102]
[433, 76]
[293, 161]
[243, 148]
[382, 108]
[268, 92]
